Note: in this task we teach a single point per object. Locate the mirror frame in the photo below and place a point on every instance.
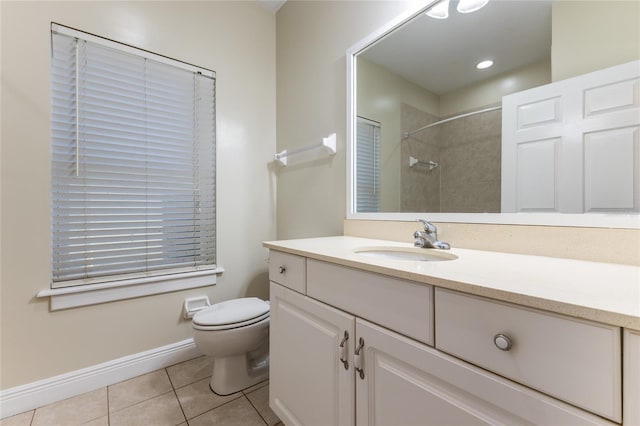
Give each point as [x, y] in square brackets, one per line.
[593, 220]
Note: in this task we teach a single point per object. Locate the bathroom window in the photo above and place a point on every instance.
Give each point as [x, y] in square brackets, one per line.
[132, 163]
[367, 166]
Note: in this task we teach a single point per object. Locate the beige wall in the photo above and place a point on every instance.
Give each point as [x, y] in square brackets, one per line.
[237, 40]
[492, 90]
[591, 35]
[381, 94]
[312, 38]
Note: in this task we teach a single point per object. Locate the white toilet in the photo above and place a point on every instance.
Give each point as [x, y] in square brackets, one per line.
[236, 334]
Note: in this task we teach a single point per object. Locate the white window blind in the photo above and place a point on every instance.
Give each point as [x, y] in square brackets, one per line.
[133, 163]
[367, 166]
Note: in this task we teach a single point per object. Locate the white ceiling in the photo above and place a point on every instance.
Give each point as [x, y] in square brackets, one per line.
[440, 55]
[273, 5]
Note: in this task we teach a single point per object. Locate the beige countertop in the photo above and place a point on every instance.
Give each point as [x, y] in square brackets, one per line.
[603, 292]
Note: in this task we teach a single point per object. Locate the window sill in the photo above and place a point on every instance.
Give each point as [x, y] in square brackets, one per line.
[92, 294]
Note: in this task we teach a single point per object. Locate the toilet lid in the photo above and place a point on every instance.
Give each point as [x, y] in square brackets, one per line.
[231, 312]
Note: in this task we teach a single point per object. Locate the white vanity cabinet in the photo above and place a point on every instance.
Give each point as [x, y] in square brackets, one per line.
[407, 383]
[574, 360]
[631, 386]
[387, 371]
[308, 384]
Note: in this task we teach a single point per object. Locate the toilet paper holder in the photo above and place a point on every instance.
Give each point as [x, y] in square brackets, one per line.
[194, 304]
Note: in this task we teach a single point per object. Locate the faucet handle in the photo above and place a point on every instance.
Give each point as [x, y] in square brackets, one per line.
[428, 226]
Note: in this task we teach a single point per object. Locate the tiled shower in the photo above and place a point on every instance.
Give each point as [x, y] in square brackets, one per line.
[467, 153]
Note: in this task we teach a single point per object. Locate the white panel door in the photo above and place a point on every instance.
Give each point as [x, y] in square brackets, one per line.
[594, 165]
[408, 383]
[609, 129]
[533, 142]
[537, 175]
[309, 385]
[611, 165]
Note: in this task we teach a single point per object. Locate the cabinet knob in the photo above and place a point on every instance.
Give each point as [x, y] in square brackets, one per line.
[502, 342]
[282, 269]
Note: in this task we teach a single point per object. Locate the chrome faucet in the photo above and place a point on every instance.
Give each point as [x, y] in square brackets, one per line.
[429, 237]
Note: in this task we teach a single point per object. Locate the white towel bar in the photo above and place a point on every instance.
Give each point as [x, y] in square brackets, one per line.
[329, 143]
[413, 161]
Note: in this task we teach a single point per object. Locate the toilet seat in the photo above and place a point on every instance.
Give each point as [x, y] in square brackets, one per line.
[232, 326]
[232, 314]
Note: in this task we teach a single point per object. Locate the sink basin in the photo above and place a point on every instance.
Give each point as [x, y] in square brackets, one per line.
[406, 253]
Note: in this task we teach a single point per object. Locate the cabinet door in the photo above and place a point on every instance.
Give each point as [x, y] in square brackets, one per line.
[631, 404]
[309, 384]
[408, 383]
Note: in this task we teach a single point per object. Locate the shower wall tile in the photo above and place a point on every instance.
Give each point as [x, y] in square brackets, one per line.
[468, 152]
[420, 187]
[471, 164]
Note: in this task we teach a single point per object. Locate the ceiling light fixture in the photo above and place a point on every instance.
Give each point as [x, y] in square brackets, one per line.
[484, 64]
[440, 10]
[468, 6]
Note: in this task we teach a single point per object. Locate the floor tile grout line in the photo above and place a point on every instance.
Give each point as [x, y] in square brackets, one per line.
[184, 415]
[147, 399]
[108, 409]
[193, 383]
[253, 388]
[193, 380]
[33, 412]
[178, 399]
[173, 388]
[166, 370]
[256, 410]
[242, 393]
[216, 407]
[144, 400]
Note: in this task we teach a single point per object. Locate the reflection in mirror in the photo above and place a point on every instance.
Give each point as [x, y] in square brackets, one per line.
[439, 112]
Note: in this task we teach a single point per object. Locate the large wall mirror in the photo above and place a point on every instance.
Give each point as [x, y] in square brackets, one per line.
[467, 110]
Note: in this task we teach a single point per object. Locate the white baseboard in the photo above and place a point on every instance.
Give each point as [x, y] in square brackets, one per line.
[37, 394]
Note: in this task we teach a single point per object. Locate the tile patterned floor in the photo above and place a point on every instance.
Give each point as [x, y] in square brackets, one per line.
[175, 396]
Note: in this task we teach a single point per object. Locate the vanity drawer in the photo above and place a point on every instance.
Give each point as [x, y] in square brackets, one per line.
[288, 270]
[574, 360]
[399, 305]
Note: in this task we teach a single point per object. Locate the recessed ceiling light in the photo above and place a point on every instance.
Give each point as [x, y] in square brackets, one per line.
[484, 64]
[468, 6]
[439, 11]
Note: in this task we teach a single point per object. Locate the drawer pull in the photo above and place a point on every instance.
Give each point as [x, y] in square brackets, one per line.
[502, 342]
[357, 358]
[343, 350]
[282, 269]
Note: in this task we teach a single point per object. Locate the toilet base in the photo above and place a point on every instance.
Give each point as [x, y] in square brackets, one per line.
[235, 373]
